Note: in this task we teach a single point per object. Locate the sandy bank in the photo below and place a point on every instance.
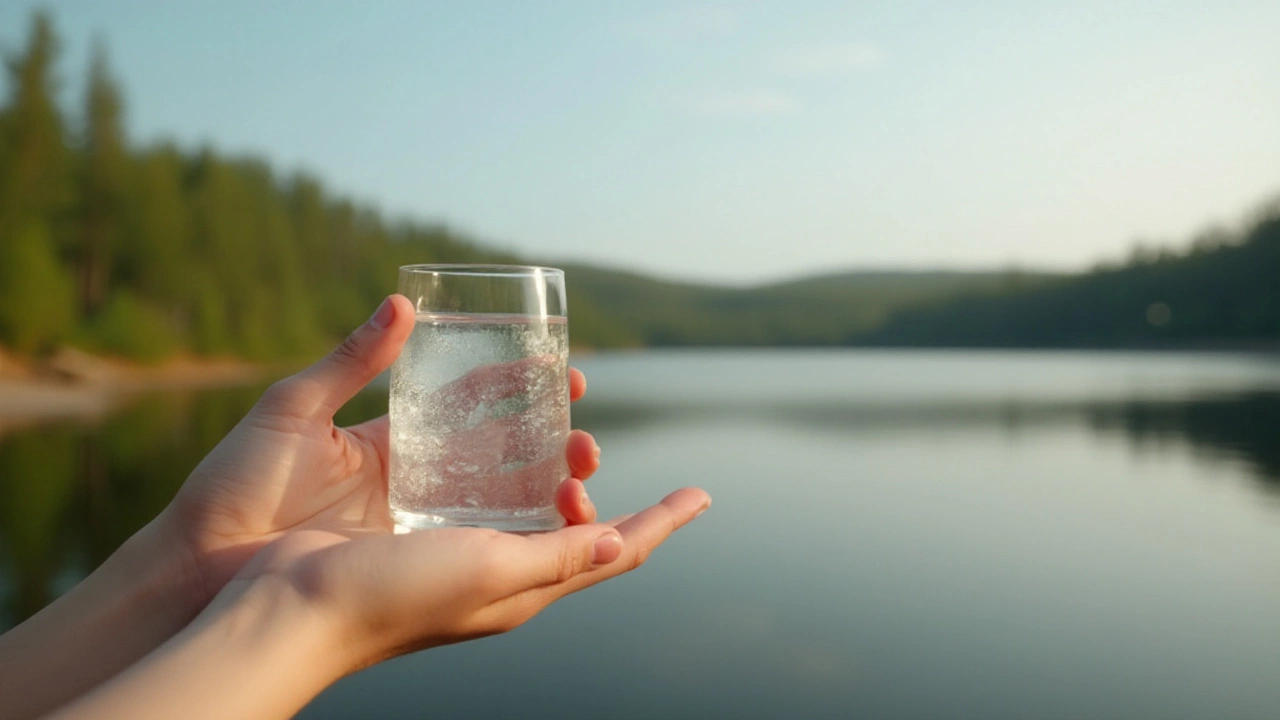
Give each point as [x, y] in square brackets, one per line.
[77, 386]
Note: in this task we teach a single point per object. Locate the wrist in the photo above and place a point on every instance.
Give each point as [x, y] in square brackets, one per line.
[293, 636]
[198, 568]
[275, 602]
[258, 650]
[169, 568]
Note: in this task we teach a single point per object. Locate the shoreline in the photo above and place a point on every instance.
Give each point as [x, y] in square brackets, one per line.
[72, 385]
[76, 386]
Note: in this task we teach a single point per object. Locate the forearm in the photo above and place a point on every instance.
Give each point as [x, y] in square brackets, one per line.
[132, 603]
[263, 654]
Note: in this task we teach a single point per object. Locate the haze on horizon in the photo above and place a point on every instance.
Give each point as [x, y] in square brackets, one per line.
[732, 142]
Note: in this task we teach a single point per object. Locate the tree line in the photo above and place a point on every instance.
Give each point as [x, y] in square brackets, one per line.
[1223, 292]
[146, 251]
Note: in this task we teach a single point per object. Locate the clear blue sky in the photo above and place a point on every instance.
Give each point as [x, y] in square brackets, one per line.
[729, 141]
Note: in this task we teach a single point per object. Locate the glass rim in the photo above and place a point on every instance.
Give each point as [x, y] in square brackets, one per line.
[481, 270]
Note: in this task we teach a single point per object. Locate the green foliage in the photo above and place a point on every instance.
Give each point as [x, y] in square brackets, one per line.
[162, 250]
[210, 334]
[612, 309]
[155, 259]
[153, 250]
[1223, 294]
[35, 179]
[37, 305]
[130, 327]
[35, 190]
[102, 180]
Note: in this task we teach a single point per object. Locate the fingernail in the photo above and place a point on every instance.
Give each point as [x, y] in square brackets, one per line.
[606, 549]
[705, 505]
[383, 316]
[587, 506]
[597, 453]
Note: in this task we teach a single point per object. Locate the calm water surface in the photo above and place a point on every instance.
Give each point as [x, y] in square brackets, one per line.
[894, 535]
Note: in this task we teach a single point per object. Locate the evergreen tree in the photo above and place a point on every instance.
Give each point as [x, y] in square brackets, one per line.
[37, 302]
[154, 256]
[36, 305]
[167, 251]
[103, 178]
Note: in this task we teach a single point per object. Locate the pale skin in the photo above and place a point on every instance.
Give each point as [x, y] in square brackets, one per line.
[274, 571]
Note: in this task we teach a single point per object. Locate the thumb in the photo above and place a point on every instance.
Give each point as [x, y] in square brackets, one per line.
[327, 385]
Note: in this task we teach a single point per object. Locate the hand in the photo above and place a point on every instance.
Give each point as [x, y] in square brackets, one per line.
[492, 434]
[315, 605]
[286, 467]
[381, 595]
[286, 474]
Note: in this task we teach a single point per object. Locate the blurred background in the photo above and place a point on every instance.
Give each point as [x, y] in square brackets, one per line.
[968, 316]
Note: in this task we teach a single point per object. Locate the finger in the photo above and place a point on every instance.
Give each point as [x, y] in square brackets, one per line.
[581, 451]
[648, 528]
[641, 534]
[573, 504]
[514, 438]
[327, 385]
[519, 440]
[557, 557]
[577, 384]
[583, 454]
[485, 448]
[490, 383]
[531, 485]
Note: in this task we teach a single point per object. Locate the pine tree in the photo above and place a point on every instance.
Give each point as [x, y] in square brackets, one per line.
[36, 301]
[103, 180]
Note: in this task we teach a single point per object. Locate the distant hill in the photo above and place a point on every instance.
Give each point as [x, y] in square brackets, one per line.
[1227, 295]
[1219, 294]
[618, 308]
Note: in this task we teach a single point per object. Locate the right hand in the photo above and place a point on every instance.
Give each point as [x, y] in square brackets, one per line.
[287, 467]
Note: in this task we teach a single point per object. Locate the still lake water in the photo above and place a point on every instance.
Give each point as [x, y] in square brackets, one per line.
[894, 535]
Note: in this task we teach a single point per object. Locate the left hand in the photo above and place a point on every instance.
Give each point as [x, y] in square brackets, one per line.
[373, 596]
[286, 467]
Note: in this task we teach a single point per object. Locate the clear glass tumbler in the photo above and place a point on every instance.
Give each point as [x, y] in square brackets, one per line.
[480, 399]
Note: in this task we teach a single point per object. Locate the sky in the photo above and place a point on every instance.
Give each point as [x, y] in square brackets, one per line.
[735, 142]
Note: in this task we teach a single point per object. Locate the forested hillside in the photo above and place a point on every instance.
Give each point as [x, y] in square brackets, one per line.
[147, 251]
[827, 310]
[1220, 294]
[142, 251]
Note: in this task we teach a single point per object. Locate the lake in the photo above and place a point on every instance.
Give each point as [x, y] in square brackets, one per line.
[894, 535]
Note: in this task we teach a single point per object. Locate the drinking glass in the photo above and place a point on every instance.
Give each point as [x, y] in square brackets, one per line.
[480, 399]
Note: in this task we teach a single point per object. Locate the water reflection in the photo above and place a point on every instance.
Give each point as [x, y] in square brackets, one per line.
[1242, 426]
[40, 476]
[70, 495]
[895, 535]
